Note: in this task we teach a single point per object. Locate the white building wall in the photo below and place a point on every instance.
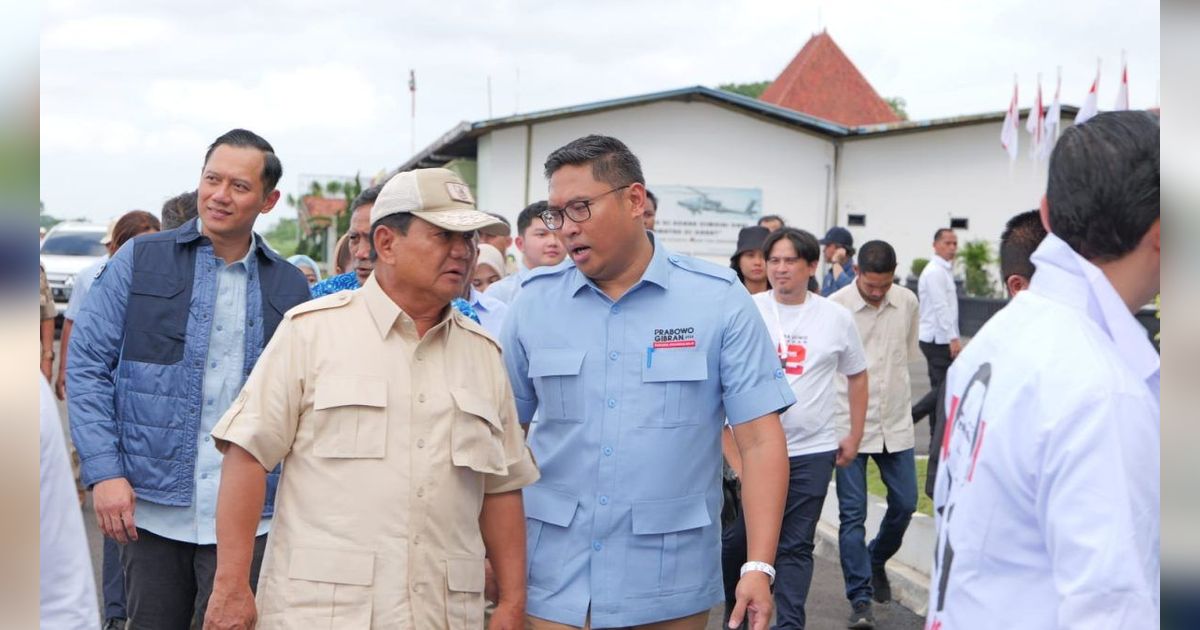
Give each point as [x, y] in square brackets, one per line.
[691, 144]
[908, 185]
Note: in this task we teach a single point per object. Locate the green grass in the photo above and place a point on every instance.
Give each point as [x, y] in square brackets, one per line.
[875, 484]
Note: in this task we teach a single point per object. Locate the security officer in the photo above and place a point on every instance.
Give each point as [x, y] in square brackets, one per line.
[632, 357]
[400, 466]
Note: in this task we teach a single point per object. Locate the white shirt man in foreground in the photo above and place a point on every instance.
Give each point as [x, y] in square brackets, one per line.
[1047, 498]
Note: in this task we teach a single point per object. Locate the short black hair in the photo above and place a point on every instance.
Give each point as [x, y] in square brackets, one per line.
[272, 167]
[653, 198]
[399, 222]
[1102, 189]
[1022, 234]
[938, 234]
[365, 197]
[877, 257]
[531, 212]
[805, 243]
[612, 162]
[179, 210]
[771, 217]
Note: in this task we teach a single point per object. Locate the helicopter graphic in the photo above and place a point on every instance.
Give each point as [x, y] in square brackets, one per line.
[704, 203]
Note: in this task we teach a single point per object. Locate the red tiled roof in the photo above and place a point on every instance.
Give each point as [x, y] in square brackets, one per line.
[821, 81]
[323, 206]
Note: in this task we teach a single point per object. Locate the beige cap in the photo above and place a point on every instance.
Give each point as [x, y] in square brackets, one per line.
[112, 225]
[491, 257]
[499, 229]
[436, 195]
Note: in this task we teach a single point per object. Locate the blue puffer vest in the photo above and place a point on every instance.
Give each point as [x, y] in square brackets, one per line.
[137, 355]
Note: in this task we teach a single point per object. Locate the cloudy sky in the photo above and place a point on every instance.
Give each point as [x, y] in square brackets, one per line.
[133, 92]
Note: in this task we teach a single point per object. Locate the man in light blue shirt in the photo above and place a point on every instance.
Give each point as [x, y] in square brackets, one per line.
[539, 247]
[632, 357]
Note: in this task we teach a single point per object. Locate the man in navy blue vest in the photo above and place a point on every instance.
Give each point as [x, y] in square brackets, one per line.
[174, 324]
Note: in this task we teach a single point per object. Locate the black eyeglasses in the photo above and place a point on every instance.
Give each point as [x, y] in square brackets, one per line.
[578, 211]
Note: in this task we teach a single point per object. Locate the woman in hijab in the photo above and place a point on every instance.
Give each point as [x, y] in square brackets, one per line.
[312, 272]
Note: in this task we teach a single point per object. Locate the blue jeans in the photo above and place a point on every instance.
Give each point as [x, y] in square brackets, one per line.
[899, 474]
[112, 579]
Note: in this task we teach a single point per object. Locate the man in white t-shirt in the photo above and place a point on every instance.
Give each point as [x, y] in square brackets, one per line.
[815, 339]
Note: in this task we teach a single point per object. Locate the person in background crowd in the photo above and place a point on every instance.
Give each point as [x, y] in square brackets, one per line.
[358, 247]
[939, 317]
[499, 235]
[887, 318]
[839, 254]
[631, 356]
[171, 327]
[67, 592]
[308, 267]
[539, 247]
[1047, 500]
[651, 211]
[1020, 238]
[131, 224]
[772, 222]
[178, 210]
[343, 259]
[483, 308]
[393, 524]
[748, 261]
[815, 339]
[46, 329]
[489, 267]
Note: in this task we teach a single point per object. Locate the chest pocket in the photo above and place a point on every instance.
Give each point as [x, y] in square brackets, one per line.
[556, 372]
[350, 417]
[156, 319]
[674, 377]
[476, 435]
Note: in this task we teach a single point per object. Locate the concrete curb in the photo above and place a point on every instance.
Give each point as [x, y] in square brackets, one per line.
[907, 570]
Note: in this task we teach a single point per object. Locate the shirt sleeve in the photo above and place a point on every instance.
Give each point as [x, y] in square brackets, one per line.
[912, 320]
[1098, 506]
[852, 359]
[516, 361]
[264, 416]
[522, 471]
[752, 381]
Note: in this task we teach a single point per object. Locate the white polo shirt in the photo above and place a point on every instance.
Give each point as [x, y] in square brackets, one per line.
[1047, 498]
[939, 302]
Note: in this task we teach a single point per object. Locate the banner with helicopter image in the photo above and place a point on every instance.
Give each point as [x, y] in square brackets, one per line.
[704, 221]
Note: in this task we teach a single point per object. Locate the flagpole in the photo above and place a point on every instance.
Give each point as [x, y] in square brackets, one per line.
[412, 120]
[1057, 92]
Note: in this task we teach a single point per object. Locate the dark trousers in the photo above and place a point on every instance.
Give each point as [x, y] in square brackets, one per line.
[112, 580]
[899, 474]
[167, 582]
[807, 486]
[733, 556]
[937, 356]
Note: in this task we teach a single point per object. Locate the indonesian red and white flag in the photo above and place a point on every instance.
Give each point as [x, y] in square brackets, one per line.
[1090, 107]
[1122, 103]
[1053, 118]
[1011, 129]
[1035, 124]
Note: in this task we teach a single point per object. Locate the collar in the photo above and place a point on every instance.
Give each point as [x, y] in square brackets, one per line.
[857, 303]
[191, 230]
[942, 262]
[1064, 276]
[386, 313]
[657, 272]
[483, 302]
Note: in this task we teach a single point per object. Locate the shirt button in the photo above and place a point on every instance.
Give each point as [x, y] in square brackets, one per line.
[613, 356]
[421, 443]
[616, 308]
[611, 403]
[420, 492]
[213, 365]
[204, 475]
[209, 402]
[207, 438]
[778, 374]
[417, 588]
[603, 500]
[420, 356]
[420, 397]
[220, 327]
[250, 323]
[597, 546]
[608, 451]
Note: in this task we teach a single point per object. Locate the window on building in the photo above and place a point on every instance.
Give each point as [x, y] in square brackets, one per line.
[958, 223]
[856, 220]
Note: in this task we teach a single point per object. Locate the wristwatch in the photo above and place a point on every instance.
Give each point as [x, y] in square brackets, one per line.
[49, 354]
[755, 565]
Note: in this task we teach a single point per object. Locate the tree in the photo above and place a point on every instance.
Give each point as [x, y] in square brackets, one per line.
[313, 245]
[753, 90]
[284, 236]
[976, 256]
[899, 106]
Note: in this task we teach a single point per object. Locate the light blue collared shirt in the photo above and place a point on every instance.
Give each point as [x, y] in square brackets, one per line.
[507, 288]
[223, 372]
[490, 310]
[631, 397]
[82, 284]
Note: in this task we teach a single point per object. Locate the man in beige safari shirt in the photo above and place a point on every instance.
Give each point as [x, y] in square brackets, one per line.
[402, 457]
[887, 317]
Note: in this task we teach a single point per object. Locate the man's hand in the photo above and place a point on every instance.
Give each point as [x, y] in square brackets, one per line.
[507, 616]
[113, 500]
[753, 599]
[491, 590]
[48, 369]
[955, 348]
[230, 607]
[839, 256]
[60, 385]
[847, 450]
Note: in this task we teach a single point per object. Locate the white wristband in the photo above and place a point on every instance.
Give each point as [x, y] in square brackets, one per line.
[755, 565]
